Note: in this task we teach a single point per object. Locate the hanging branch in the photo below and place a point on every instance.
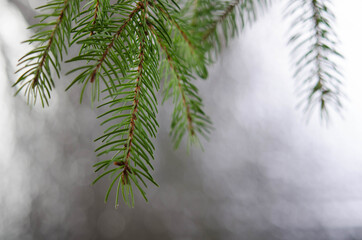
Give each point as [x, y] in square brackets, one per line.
[35, 65]
[183, 35]
[110, 45]
[178, 27]
[226, 14]
[230, 8]
[179, 83]
[45, 54]
[133, 104]
[96, 8]
[315, 51]
[91, 72]
[188, 115]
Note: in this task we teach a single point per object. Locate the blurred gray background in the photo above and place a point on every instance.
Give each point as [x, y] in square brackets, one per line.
[264, 174]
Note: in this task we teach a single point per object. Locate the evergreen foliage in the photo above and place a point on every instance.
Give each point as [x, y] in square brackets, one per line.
[51, 39]
[315, 52]
[128, 47]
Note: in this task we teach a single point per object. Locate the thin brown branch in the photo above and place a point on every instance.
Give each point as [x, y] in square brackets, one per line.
[50, 42]
[136, 100]
[316, 19]
[221, 18]
[136, 96]
[128, 146]
[110, 45]
[96, 9]
[171, 63]
[182, 32]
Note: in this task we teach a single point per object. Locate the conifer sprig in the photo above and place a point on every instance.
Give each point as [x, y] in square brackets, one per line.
[111, 47]
[315, 51]
[132, 115]
[96, 9]
[187, 39]
[188, 115]
[51, 37]
[226, 15]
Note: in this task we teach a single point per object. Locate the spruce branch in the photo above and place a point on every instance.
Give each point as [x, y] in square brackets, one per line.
[178, 27]
[226, 18]
[36, 65]
[45, 54]
[315, 53]
[188, 115]
[110, 45]
[108, 54]
[96, 8]
[177, 22]
[179, 82]
[136, 100]
[134, 105]
[220, 19]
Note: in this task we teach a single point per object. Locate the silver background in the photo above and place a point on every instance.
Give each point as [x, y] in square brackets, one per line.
[264, 174]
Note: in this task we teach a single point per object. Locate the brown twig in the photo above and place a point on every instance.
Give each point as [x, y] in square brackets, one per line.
[95, 16]
[213, 27]
[50, 42]
[110, 45]
[170, 61]
[128, 146]
[182, 32]
[316, 19]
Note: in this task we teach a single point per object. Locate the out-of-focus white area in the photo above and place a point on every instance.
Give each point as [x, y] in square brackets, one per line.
[325, 162]
[15, 197]
[264, 174]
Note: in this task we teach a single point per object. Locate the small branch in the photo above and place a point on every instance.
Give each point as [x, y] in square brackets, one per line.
[320, 85]
[95, 16]
[135, 100]
[183, 34]
[221, 18]
[110, 45]
[128, 146]
[315, 69]
[170, 61]
[196, 6]
[316, 18]
[50, 42]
